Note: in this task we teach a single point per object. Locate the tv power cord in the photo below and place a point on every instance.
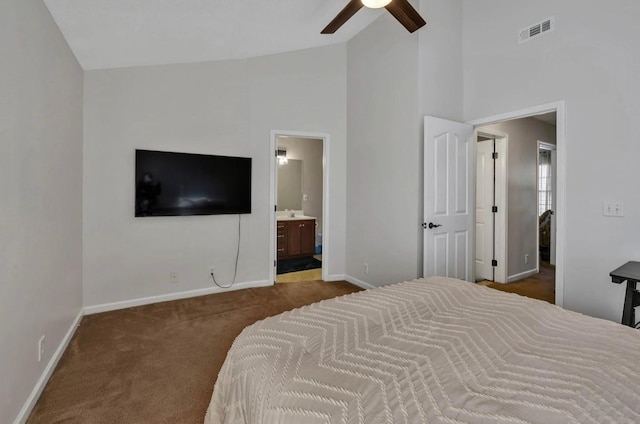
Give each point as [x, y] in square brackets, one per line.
[235, 272]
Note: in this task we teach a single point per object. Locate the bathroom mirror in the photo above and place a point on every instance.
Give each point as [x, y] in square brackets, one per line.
[290, 185]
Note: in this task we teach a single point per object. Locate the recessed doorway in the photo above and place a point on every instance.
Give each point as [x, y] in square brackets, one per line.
[535, 187]
[299, 198]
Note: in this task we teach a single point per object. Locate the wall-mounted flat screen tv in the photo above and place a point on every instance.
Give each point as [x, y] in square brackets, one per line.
[175, 184]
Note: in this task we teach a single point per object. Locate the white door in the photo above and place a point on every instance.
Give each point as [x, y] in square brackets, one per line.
[484, 214]
[448, 199]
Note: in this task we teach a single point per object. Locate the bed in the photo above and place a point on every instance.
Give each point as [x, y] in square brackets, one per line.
[434, 350]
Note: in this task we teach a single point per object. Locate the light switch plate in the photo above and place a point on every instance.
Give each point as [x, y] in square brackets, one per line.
[613, 209]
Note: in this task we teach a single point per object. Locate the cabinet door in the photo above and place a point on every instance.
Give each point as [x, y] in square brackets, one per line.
[308, 237]
[293, 238]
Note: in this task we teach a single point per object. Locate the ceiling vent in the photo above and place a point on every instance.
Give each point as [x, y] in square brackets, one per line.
[537, 30]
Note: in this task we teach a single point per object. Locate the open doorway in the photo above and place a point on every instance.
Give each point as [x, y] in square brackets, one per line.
[299, 211]
[449, 209]
[531, 193]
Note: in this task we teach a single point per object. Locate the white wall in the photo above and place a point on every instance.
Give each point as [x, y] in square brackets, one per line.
[592, 62]
[394, 78]
[440, 55]
[382, 171]
[522, 189]
[225, 108]
[309, 150]
[439, 81]
[41, 191]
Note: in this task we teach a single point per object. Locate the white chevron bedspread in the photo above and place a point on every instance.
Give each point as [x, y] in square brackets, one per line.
[433, 350]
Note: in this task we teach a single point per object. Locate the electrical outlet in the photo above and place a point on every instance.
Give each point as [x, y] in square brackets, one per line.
[366, 268]
[526, 258]
[173, 278]
[211, 269]
[41, 348]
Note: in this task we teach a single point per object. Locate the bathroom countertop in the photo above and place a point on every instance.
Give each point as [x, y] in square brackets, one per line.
[294, 218]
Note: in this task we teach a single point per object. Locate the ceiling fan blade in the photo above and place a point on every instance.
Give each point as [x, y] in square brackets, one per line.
[342, 17]
[406, 14]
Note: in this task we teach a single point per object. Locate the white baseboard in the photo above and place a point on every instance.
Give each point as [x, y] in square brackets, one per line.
[106, 307]
[46, 374]
[335, 277]
[516, 277]
[359, 283]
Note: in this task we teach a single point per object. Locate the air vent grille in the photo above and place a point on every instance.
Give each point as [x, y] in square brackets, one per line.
[536, 30]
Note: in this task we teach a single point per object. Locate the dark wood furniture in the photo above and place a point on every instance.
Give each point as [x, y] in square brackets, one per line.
[629, 272]
[296, 238]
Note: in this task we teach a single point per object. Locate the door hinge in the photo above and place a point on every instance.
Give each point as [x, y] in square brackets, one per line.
[494, 209]
[275, 263]
[275, 208]
[494, 262]
[494, 155]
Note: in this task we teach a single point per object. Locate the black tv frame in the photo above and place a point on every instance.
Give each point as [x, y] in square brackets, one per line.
[184, 184]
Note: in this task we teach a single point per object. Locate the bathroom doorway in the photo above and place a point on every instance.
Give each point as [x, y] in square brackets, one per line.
[299, 208]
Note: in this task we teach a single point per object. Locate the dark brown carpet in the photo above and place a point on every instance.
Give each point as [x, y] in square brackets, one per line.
[540, 286]
[158, 363]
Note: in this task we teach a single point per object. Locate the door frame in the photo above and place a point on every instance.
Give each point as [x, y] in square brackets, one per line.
[501, 229]
[559, 108]
[273, 197]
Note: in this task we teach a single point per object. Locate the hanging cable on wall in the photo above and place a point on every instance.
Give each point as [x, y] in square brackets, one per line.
[235, 271]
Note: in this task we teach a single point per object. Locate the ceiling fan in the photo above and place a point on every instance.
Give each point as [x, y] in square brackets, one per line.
[400, 9]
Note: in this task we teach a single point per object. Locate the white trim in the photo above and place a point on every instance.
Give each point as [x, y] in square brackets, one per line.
[326, 217]
[24, 413]
[106, 307]
[359, 283]
[522, 275]
[562, 147]
[522, 113]
[335, 277]
[272, 206]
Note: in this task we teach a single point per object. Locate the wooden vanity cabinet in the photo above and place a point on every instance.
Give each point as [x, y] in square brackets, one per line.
[296, 238]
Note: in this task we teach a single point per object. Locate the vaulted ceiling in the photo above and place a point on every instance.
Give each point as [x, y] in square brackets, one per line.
[123, 33]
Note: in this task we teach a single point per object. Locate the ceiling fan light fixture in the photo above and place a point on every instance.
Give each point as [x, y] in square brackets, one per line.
[400, 9]
[375, 4]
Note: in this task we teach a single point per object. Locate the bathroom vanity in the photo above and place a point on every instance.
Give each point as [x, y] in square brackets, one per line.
[296, 236]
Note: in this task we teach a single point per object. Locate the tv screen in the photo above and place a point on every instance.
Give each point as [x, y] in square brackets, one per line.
[173, 184]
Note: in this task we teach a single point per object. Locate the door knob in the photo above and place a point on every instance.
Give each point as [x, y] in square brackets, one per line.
[432, 225]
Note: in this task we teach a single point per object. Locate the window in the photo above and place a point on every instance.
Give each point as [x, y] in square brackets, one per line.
[545, 190]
